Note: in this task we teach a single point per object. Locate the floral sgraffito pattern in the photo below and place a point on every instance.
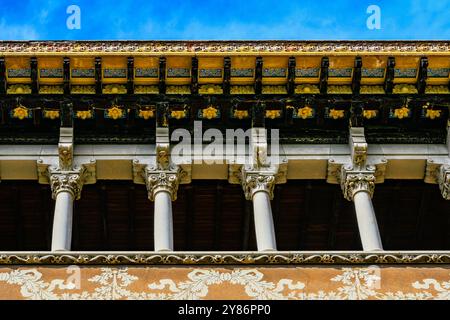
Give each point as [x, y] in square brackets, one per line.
[358, 283]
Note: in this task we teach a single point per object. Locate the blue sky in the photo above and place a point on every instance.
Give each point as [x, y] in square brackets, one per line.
[222, 20]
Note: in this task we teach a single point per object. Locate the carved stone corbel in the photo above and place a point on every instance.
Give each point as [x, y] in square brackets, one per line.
[358, 147]
[162, 175]
[439, 173]
[65, 148]
[358, 174]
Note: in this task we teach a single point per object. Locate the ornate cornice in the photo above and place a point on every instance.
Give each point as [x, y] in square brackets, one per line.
[222, 47]
[232, 258]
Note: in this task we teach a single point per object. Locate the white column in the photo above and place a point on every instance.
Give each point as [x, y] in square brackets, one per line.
[62, 222]
[367, 222]
[163, 225]
[258, 186]
[162, 186]
[66, 187]
[359, 186]
[264, 228]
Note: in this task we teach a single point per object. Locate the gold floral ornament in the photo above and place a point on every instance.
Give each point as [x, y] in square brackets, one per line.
[273, 114]
[336, 114]
[370, 114]
[21, 113]
[114, 113]
[305, 112]
[146, 114]
[51, 114]
[83, 115]
[178, 114]
[210, 113]
[401, 113]
[240, 114]
[433, 114]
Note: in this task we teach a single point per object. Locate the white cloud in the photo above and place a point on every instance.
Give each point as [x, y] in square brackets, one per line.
[17, 32]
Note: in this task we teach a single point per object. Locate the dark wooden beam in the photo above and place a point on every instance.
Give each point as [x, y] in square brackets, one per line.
[189, 222]
[2, 76]
[66, 114]
[162, 75]
[104, 214]
[259, 115]
[334, 221]
[34, 75]
[76, 228]
[130, 75]
[98, 75]
[356, 80]
[423, 75]
[356, 114]
[226, 75]
[424, 207]
[323, 82]
[18, 218]
[218, 205]
[66, 75]
[291, 76]
[162, 115]
[277, 206]
[131, 218]
[194, 76]
[246, 223]
[258, 75]
[390, 74]
[304, 215]
[46, 211]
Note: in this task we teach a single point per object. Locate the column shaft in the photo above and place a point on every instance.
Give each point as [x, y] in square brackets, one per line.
[264, 228]
[163, 225]
[62, 222]
[367, 222]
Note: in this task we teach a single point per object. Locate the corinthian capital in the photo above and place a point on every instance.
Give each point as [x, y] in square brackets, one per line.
[71, 182]
[356, 181]
[255, 181]
[162, 180]
[444, 181]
